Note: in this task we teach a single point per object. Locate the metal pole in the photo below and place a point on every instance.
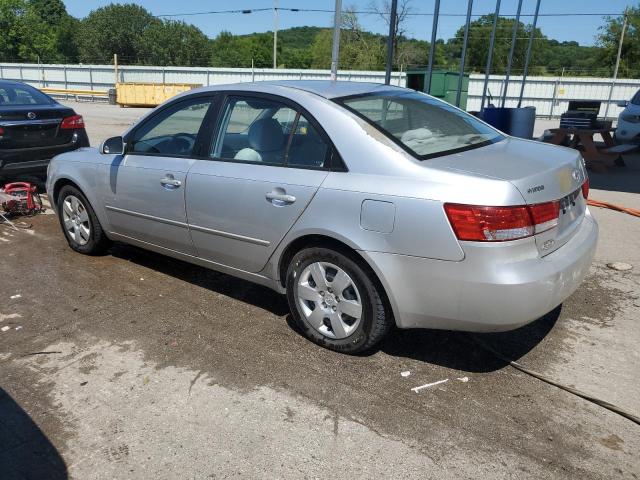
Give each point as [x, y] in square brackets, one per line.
[615, 70]
[335, 51]
[528, 57]
[275, 33]
[115, 67]
[391, 40]
[511, 51]
[432, 47]
[463, 57]
[487, 70]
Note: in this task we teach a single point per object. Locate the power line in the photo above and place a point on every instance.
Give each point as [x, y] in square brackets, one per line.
[375, 12]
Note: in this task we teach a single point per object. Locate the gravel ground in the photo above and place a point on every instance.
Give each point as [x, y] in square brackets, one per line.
[134, 365]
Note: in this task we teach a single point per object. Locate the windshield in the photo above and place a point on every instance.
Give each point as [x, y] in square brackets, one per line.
[636, 98]
[20, 94]
[424, 126]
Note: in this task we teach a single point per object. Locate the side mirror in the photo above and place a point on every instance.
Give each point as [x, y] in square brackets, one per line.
[112, 146]
[622, 103]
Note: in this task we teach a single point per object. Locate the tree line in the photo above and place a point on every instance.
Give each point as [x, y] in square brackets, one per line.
[43, 31]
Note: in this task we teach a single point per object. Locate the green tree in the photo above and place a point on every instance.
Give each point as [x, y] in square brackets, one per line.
[32, 30]
[115, 28]
[609, 38]
[174, 43]
[478, 46]
[359, 50]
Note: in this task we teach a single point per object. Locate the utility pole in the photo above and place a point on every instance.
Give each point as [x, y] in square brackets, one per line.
[492, 40]
[511, 51]
[335, 51]
[275, 33]
[391, 41]
[463, 57]
[615, 70]
[528, 57]
[432, 47]
[115, 67]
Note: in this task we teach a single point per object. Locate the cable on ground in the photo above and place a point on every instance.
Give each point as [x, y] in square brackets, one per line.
[609, 406]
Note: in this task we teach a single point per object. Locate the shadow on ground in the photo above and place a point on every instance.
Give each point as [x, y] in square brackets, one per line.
[227, 285]
[456, 350]
[25, 451]
[467, 351]
[619, 178]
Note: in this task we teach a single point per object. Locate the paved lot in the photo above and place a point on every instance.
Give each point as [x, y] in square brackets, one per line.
[133, 365]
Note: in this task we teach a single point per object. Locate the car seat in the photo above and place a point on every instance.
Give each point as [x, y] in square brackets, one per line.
[266, 142]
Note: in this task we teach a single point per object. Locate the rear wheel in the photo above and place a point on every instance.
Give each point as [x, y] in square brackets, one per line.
[335, 301]
[79, 223]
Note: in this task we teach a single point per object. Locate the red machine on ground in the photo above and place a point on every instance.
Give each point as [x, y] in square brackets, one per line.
[24, 200]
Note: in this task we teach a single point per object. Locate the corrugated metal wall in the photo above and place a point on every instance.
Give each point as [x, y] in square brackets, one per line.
[550, 95]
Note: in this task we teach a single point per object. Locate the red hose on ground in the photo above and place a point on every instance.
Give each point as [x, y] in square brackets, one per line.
[611, 206]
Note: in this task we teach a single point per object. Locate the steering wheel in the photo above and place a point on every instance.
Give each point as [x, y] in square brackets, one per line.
[182, 142]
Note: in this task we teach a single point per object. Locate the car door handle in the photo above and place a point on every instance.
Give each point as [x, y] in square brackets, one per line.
[280, 198]
[170, 183]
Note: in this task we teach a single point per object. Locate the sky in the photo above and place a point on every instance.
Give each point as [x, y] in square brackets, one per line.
[582, 29]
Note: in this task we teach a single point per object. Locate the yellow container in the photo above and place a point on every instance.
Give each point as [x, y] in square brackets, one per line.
[149, 94]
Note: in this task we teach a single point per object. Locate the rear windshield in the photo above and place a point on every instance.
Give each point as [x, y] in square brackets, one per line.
[22, 95]
[422, 125]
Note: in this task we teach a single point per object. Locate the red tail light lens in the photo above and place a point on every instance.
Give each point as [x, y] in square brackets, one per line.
[72, 122]
[545, 215]
[1, 132]
[499, 224]
[585, 189]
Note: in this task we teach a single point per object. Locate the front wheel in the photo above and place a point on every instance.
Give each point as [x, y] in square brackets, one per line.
[79, 223]
[335, 301]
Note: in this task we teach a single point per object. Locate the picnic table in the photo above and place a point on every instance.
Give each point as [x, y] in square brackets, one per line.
[599, 159]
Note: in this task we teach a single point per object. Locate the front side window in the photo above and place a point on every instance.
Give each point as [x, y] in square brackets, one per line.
[174, 131]
[424, 126]
[268, 131]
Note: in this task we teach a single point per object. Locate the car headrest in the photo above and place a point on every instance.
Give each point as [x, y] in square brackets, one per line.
[266, 135]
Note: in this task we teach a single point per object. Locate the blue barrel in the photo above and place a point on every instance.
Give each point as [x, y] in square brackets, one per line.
[497, 117]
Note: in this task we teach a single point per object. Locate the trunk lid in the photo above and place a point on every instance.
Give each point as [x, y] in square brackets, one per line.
[28, 126]
[541, 173]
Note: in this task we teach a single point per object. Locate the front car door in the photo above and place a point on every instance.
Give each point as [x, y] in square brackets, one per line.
[266, 162]
[144, 194]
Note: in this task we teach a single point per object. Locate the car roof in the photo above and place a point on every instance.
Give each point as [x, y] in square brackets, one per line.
[333, 89]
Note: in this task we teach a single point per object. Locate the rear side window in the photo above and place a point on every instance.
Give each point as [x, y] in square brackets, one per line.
[172, 132]
[420, 124]
[22, 95]
[267, 131]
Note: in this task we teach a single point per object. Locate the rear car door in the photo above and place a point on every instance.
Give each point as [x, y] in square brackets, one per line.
[144, 194]
[266, 162]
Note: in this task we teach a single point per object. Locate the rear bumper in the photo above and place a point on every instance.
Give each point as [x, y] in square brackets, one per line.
[34, 160]
[492, 289]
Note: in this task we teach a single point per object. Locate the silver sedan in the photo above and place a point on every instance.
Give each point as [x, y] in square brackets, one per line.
[368, 205]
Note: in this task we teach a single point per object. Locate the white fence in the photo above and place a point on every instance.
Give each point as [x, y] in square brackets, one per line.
[550, 95]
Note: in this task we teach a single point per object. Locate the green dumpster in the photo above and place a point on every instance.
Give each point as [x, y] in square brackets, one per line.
[444, 84]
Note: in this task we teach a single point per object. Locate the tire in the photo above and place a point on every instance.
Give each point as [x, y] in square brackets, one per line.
[79, 223]
[312, 302]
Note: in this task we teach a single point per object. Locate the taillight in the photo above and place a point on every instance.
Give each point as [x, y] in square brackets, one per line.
[72, 122]
[545, 215]
[1, 132]
[499, 224]
[585, 189]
